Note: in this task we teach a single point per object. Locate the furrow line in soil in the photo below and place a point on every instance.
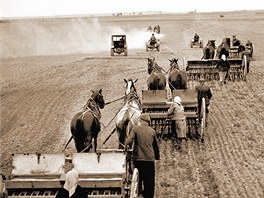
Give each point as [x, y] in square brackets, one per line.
[234, 143]
[220, 144]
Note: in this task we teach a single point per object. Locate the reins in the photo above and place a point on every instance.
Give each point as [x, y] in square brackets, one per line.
[115, 100]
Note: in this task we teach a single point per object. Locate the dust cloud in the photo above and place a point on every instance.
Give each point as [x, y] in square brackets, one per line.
[63, 36]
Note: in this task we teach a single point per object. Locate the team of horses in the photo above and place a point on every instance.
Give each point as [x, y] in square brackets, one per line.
[85, 125]
[177, 79]
[209, 51]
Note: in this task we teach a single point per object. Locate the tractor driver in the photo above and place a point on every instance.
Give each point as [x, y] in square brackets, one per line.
[152, 39]
[196, 37]
[121, 41]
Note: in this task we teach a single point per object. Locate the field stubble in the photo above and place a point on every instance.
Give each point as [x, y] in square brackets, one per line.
[40, 94]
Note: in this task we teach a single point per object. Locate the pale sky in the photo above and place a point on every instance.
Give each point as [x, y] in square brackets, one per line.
[32, 8]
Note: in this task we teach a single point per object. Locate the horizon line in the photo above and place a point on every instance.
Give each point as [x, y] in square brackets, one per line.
[118, 14]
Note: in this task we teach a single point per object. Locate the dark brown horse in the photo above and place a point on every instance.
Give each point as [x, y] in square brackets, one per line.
[177, 78]
[223, 48]
[235, 41]
[85, 125]
[208, 51]
[156, 80]
[129, 114]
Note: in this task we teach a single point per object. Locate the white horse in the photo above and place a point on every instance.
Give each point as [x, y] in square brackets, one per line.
[129, 114]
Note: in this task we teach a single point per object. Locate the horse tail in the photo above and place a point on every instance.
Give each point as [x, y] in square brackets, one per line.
[157, 82]
[184, 80]
[79, 134]
[213, 54]
[79, 124]
[207, 53]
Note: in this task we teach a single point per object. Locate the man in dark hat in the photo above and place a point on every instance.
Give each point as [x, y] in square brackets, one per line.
[203, 91]
[146, 151]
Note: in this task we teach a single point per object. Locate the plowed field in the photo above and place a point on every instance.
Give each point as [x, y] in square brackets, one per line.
[50, 66]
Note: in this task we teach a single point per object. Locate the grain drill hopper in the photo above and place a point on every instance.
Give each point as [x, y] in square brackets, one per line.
[156, 103]
[207, 69]
[101, 174]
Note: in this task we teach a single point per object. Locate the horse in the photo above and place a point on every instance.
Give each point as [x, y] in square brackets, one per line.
[156, 80]
[85, 125]
[149, 29]
[227, 41]
[249, 46]
[208, 51]
[156, 29]
[177, 78]
[223, 48]
[129, 115]
[235, 41]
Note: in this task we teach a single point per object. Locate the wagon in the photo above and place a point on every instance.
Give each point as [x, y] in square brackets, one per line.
[102, 174]
[153, 45]
[156, 103]
[207, 69]
[118, 45]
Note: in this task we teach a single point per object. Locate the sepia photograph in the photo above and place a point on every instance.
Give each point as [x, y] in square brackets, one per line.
[131, 99]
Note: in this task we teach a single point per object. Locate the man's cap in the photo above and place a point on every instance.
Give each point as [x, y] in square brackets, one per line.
[145, 117]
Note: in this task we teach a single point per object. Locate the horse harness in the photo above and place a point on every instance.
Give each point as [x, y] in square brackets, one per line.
[91, 106]
[131, 96]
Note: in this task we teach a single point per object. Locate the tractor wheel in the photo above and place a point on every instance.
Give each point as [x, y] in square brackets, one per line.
[112, 52]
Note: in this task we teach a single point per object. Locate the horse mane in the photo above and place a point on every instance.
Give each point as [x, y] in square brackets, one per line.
[156, 68]
[153, 66]
[93, 105]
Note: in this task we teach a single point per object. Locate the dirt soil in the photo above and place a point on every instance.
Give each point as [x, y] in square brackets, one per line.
[50, 66]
